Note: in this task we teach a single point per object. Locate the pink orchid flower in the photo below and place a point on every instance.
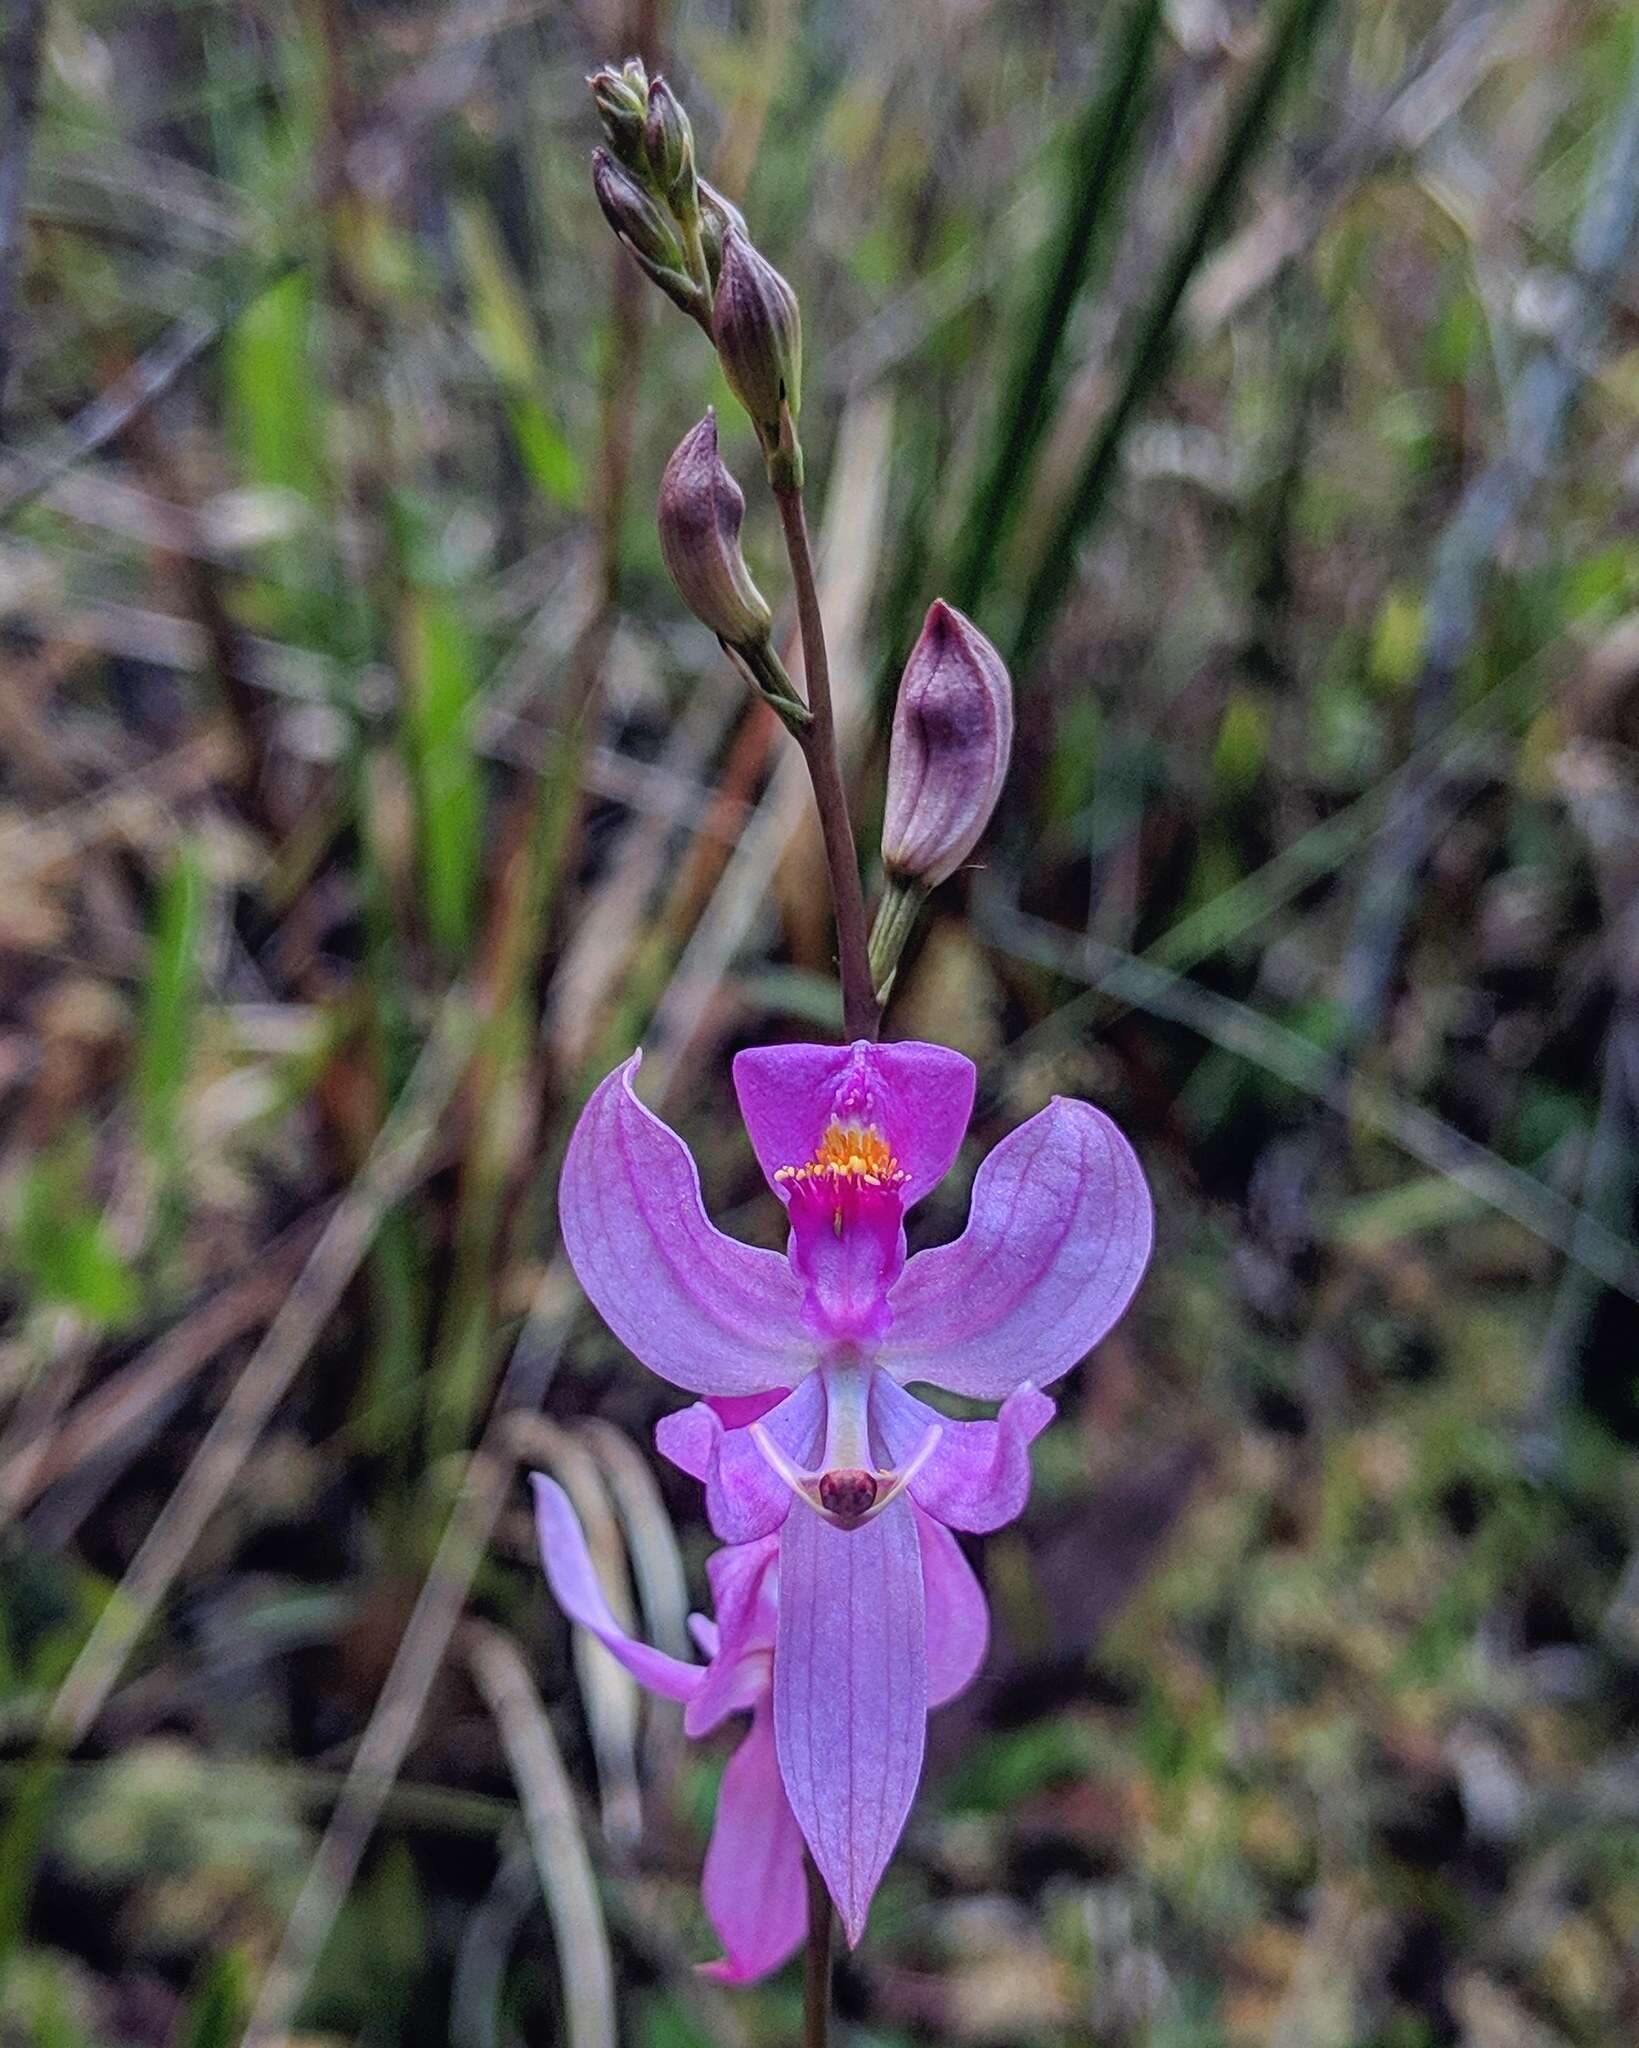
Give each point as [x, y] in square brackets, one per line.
[752, 1884]
[808, 1433]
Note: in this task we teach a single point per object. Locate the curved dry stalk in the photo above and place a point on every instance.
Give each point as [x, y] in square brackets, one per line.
[608, 1690]
[568, 1884]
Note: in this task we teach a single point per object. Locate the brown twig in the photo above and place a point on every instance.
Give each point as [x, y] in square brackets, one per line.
[818, 740]
[816, 1960]
[156, 1375]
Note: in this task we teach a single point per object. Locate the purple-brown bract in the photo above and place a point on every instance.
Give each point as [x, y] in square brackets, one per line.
[807, 1440]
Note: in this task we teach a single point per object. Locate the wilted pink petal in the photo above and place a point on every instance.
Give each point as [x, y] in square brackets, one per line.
[699, 1309]
[918, 1097]
[851, 1693]
[1056, 1242]
[738, 1675]
[978, 1476]
[575, 1586]
[745, 1498]
[958, 1621]
[753, 1883]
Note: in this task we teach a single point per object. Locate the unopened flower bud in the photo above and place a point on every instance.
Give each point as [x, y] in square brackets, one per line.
[622, 99]
[758, 332]
[646, 231]
[701, 507]
[952, 734]
[717, 216]
[668, 143]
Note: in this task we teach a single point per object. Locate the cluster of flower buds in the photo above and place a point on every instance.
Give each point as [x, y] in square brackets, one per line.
[947, 760]
[647, 184]
[693, 243]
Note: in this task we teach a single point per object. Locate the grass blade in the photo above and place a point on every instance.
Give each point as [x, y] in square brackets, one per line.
[1289, 42]
[1096, 156]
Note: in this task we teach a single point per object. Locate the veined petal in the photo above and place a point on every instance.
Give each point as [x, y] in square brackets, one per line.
[698, 1308]
[575, 1587]
[851, 1693]
[958, 1618]
[978, 1474]
[918, 1096]
[753, 1882]
[738, 1675]
[1056, 1242]
[745, 1497]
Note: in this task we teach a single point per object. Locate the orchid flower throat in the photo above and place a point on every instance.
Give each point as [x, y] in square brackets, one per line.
[853, 1170]
[846, 1206]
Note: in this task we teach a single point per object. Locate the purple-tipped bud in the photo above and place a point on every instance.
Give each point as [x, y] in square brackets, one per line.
[622, 99]
[647, 232]
[668, 143]
[952, 734]
[758, 332]
[717, 216]
[701, 507]
[633, 214]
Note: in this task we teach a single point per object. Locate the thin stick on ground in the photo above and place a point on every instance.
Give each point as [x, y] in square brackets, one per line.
[399, 1154]
[420, 1653]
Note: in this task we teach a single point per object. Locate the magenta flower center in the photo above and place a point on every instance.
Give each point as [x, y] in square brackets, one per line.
[853, 1175]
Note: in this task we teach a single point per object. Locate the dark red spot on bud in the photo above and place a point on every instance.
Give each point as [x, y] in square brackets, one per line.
[847, 1494]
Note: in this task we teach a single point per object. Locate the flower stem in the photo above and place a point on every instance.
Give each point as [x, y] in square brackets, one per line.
[818, 740]
[816, 1961]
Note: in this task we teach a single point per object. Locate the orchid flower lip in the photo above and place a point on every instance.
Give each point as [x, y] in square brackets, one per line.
[831, 1493]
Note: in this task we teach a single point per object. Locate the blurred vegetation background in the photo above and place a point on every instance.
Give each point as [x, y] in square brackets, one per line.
[1262, 375]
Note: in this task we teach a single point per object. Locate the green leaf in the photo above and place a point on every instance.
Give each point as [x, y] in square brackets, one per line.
[170, 1008]
[440, 675]
[62, 1245]
[505, 334]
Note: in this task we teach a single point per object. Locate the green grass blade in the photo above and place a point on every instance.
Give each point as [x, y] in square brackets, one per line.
[1248, 129]
[1097, 153]
[505, 334]
[170, 1007]
[440, 681]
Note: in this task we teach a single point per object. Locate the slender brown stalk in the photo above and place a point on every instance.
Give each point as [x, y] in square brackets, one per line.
[816, 1961]
[860, 1015]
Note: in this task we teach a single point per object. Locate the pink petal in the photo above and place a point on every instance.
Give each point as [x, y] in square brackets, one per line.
[958, 1618]
[734, 1411]
[851, 1693]
[978, 1476]
[753, 1882]
[738, 1674]
[699, 1309]
[745, 1497]
[575, 1588]
[1056, 1242]
[918, 1096]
